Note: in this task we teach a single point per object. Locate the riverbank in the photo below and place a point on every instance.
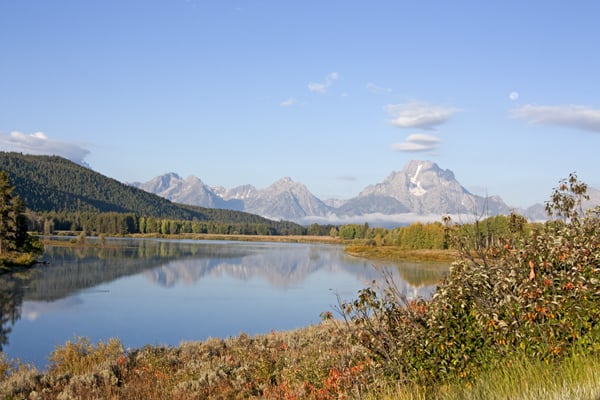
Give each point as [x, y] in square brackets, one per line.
[394, 253]
[245, 238]
[355, 248]
[14, 260]
[75, 239]
[316, 362]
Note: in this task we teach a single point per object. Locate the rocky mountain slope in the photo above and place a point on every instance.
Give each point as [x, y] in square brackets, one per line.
[420, 188]
[424, 188]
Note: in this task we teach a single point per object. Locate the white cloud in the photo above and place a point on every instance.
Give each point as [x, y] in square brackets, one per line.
[422, 138]
[417, 142]
[39, 143]
[373, 88]
[289, 102]
[571, 116]
[514, 96]
[317, 87]
[419, 115]
[412, 147]
[321, 87]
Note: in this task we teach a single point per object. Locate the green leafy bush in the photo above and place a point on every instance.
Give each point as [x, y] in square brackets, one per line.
[535, 293]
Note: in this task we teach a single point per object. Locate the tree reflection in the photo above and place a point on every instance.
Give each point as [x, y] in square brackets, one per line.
[11, 299]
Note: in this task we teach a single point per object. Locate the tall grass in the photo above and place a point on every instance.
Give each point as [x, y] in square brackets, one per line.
[576, 377]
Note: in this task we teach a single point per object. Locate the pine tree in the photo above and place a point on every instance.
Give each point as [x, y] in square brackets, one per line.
[8, 215]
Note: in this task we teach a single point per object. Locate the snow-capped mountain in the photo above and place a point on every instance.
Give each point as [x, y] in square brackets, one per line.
[420, 189]
[424, 188]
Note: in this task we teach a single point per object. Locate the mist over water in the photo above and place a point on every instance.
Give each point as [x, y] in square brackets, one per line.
[146, 291]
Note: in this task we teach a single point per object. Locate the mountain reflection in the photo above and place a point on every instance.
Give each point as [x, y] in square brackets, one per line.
[68, 270]
[291, 267]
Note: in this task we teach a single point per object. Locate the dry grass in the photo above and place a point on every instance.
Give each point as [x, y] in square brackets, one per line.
[395, 253]
[316, 362]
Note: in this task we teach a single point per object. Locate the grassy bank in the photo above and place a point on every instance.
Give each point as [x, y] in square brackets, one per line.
[395, 253]
[576, 377]
[245, 238]
[15, 260]
[313, 362]
[353, 247]
[317, 362]
[74, 236]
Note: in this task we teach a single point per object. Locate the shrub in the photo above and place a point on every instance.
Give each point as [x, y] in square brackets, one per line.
[80, 356]
[536, 295]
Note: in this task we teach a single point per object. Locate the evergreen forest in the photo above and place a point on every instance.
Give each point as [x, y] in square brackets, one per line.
[62, 195]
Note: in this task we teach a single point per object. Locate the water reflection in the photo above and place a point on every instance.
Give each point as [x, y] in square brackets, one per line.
[11, 298]
[197, 289]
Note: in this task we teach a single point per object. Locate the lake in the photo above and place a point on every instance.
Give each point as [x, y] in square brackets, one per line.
[162, 292]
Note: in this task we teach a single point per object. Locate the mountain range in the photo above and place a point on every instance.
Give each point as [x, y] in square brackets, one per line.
[420, 191]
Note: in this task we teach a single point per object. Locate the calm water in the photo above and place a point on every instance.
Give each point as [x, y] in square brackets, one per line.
[165, 292]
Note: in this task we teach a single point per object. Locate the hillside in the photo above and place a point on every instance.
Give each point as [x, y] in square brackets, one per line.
[51, 183]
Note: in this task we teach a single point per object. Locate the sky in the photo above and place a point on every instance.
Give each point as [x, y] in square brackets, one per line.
[334, 94]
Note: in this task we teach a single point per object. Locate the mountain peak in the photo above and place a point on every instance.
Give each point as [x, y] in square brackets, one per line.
[415, 167]
[424, 188]
[285, 180]
[284, 184]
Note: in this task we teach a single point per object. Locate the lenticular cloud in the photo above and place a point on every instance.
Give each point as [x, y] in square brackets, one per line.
[417, 142]
[573, 116]
[419, 115]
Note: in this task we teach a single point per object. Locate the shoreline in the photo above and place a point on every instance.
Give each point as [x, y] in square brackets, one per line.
[355, 248]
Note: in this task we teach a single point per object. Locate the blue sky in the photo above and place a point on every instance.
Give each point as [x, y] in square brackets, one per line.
[334, 94]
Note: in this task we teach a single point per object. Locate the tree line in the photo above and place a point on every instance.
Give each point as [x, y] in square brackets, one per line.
[490, 231]
[114, 223]
[433, 235]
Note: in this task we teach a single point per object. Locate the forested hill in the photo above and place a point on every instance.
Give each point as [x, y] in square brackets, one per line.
[51, 183]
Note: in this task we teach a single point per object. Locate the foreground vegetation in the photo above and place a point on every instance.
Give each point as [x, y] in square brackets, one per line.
[518, 316]
[319, 362]
[536, 296]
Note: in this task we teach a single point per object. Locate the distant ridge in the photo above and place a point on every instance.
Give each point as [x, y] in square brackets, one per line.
[421, 188]
[421, 191]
